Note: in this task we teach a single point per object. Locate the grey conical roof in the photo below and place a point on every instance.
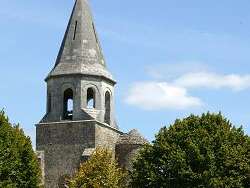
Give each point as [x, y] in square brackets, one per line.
[80, 52]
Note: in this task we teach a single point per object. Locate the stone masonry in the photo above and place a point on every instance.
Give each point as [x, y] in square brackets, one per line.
[80, 105]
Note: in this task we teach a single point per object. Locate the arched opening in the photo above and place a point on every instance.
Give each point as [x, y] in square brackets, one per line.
[90, 98]
[107, 108]
[68, 104]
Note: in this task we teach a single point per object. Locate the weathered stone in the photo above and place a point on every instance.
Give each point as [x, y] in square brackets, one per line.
[127, 148]
[63, 144]
[65, 136]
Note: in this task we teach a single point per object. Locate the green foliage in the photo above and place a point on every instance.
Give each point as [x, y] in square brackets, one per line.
[204, 151]
[18, 163]
[100, 171]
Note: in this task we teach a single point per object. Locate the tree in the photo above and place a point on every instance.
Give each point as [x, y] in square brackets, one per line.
[206, 151]
[100, 171]
[18, 163]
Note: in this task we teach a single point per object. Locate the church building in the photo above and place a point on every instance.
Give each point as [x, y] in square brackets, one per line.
[80, 113]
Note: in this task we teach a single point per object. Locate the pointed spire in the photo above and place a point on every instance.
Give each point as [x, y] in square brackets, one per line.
[80, 52]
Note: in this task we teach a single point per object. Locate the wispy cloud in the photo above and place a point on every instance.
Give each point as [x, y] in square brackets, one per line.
[175, 69]
[173, 91]
[214, 81]
[160, 95]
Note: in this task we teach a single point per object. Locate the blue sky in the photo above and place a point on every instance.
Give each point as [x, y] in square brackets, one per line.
[170, 58]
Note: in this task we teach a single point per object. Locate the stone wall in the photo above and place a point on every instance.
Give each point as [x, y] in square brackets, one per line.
[127, 147]
[106, 136]
[40, 157]
[125, 154]
[63, 145]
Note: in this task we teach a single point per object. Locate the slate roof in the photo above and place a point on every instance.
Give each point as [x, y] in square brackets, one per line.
[80, 51]
[133, 137]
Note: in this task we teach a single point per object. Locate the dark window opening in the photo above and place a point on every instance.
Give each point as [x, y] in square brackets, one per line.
[68, 104]
[74, 37]
[107, 108]
[90, 98]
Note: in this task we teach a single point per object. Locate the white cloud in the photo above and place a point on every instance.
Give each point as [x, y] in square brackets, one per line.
[173, 70]
[213, 81]
[160, 95]
[176, 81]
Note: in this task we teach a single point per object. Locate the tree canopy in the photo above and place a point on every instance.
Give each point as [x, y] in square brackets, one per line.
[198, 151]
[100, 171]
[18, 163]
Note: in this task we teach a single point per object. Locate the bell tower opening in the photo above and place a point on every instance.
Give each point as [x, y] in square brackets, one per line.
[90, 98]
[68, 104]
[107, 108]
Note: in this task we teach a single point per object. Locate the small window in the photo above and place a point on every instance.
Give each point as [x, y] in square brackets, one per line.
[90, 98]
[74, 37]
[107, 108]
[68, 104]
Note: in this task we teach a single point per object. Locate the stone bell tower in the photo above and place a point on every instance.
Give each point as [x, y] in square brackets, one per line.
[80, 101]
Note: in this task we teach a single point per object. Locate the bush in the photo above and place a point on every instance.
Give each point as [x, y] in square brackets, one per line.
[100, 171]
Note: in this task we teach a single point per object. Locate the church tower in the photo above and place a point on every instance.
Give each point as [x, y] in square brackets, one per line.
[79, 86]
[80, 101]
